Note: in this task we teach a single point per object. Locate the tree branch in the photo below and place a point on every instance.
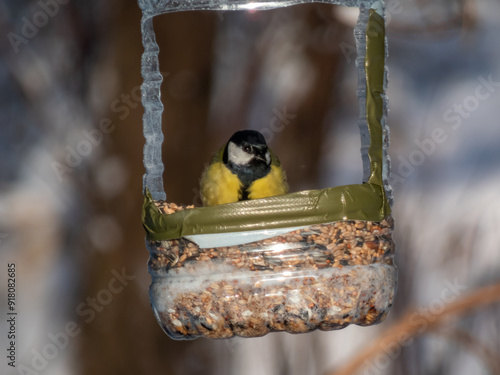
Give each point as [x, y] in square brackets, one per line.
[415, 323]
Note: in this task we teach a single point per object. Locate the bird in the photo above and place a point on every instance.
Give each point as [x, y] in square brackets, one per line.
[244, 168]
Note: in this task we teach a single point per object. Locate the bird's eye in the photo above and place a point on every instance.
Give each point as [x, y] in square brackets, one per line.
[247, 148]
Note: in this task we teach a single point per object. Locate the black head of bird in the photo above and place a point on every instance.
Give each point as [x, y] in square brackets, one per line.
[243, 169]
[246, 154]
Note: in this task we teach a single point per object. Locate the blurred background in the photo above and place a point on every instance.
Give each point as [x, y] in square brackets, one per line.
[71, 173]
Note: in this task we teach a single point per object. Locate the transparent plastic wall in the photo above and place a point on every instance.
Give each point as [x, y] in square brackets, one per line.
[324, 276]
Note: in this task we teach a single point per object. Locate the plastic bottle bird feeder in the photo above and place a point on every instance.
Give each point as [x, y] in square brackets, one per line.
[295, 262]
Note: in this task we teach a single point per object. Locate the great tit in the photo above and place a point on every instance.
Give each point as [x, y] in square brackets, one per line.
[244, 168]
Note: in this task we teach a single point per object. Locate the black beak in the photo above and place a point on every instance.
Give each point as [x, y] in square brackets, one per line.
[260, 153]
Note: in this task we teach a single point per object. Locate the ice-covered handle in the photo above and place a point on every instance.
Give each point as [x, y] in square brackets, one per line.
[372, 82]
[371, 86]
[153, 109]
[152, 8]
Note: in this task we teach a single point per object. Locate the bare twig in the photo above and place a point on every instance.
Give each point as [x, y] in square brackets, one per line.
[417, 322]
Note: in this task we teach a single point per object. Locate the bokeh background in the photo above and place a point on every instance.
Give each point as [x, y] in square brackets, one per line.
[71, 173]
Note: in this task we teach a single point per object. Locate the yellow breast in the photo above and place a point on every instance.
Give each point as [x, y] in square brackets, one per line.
[274, 183]
[219, 185]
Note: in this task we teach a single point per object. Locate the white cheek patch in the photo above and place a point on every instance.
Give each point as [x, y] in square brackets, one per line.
[268, 157]
[236, 155]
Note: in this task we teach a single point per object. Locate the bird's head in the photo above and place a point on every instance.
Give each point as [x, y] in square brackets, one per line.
[247, 147]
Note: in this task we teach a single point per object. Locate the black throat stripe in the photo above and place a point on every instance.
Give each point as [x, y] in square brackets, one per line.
[244, 193]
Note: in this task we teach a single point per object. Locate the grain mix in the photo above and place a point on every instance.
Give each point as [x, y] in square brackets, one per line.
[325, 277]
